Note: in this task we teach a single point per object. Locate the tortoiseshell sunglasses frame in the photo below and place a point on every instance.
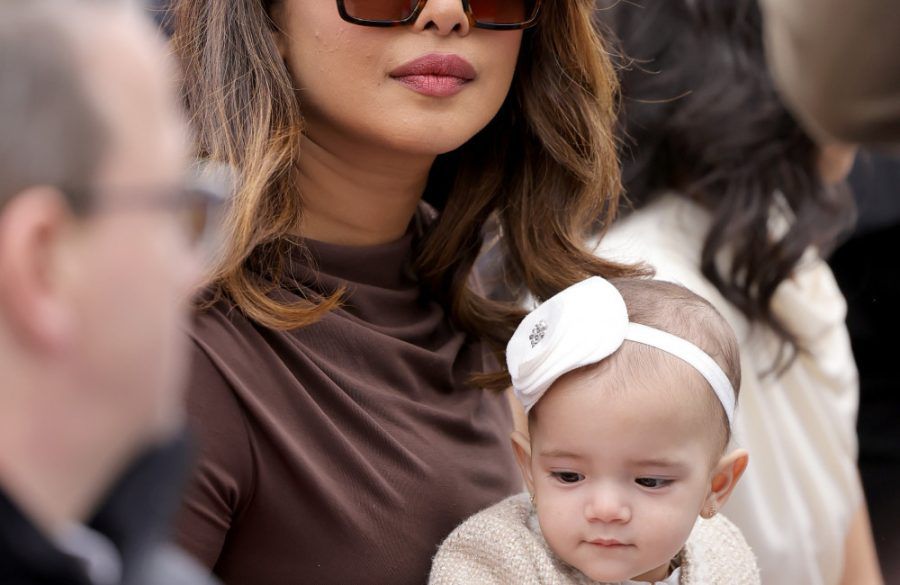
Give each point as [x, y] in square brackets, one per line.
[342, 10]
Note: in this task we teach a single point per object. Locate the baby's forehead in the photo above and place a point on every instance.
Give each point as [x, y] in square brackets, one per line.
[638, 369]
[643, 387]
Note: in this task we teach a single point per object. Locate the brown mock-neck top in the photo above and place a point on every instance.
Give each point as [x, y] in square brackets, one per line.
[346, 451]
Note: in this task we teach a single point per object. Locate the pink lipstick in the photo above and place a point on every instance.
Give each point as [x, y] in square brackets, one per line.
[435, 74]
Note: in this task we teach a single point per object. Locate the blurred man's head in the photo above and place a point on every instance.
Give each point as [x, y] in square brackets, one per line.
[95, 265]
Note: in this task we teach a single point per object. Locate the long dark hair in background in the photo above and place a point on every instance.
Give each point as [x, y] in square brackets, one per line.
[700, 116]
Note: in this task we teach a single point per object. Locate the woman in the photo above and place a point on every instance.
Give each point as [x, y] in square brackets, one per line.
[341, 436]
[735, 201]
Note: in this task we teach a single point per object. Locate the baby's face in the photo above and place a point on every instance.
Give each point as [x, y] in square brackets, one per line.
[620, 475]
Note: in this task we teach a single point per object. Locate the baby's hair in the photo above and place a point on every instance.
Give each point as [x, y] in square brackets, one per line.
[674, 309]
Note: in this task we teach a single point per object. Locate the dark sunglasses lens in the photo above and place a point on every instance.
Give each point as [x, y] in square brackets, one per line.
[380, 10]
[503, 11]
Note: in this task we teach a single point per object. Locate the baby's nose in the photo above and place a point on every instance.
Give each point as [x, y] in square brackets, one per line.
[607, 505]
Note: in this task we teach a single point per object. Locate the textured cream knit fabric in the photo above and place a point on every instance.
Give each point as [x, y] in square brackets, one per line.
[502, 546]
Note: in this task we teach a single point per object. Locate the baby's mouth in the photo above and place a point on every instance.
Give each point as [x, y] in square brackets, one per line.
[608, 543]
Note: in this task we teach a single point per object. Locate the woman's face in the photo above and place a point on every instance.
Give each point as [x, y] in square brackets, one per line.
[353, 89]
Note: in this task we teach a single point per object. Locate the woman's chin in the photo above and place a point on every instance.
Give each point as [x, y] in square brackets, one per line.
[432, 140]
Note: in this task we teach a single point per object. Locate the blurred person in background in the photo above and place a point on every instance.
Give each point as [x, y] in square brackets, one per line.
[96, 267]
[866, 269]
[837, 64]
[733, 199]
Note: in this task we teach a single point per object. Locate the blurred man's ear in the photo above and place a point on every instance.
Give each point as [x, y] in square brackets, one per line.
[33, 225]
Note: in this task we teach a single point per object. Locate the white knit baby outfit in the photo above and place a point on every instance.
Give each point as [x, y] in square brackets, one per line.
[503, 546]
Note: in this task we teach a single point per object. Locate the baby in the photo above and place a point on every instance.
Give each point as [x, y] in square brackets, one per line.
[630, 393]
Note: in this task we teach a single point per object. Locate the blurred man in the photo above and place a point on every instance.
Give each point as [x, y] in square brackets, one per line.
[838, 66]
[95, 271]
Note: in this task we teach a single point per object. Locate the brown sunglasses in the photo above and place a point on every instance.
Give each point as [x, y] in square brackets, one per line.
[489, 14]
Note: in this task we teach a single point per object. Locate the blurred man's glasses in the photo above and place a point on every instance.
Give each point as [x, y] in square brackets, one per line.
[198, 204]
[490, 14]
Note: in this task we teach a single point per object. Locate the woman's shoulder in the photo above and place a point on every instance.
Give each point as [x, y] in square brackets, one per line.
[670, 218]
[810, 303]
[230, 355]
[668, 235]
[222, 331]
[496, 546]
[214, 312]
[717, 554]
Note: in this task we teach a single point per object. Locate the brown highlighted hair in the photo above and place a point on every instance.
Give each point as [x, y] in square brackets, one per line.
[545, 168]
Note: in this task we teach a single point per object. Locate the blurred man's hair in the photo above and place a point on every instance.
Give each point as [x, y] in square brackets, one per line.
[51, 131]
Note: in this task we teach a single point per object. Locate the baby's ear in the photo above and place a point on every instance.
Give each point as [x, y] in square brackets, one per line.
[522, 447]
[723, 479]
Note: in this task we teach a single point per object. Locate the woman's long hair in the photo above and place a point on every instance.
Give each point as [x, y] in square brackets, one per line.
[545, 168]
[700, 116]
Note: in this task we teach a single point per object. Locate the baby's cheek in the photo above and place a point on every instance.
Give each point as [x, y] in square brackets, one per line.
[558, 525]
[669, 530]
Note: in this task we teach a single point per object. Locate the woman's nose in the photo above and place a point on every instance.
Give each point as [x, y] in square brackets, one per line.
[607, 505]
[443, 17]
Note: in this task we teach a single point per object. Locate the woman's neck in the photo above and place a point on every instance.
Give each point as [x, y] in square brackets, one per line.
[357, 195]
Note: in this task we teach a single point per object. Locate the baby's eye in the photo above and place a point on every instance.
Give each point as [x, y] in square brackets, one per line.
[653, 483]
[567, 476]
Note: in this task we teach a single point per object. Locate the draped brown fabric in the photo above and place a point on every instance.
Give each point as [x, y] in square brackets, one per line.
[343, 452]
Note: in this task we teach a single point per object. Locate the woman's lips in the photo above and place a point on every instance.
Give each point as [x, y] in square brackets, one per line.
[435, 75]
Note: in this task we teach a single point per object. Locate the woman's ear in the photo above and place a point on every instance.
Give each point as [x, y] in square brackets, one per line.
[522, 448]
[835, 162]
[723, 479]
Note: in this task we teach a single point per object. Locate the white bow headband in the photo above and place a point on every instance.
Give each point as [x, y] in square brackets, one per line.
[584, 324]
